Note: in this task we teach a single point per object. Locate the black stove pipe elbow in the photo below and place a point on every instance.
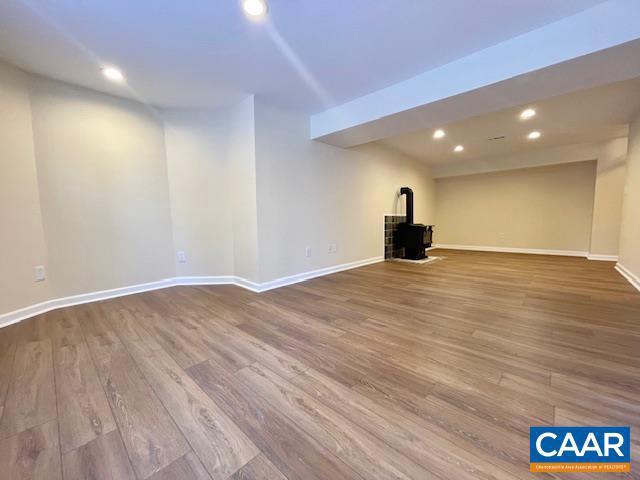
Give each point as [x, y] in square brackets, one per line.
[409, 194]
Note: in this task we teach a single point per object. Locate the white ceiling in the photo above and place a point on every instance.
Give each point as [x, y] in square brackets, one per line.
[310, 55]
[587, 116]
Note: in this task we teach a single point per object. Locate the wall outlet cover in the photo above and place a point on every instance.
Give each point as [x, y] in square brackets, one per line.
[181, 256]
[39, 273]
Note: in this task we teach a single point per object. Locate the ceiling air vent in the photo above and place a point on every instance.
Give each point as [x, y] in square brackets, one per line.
[496, 138]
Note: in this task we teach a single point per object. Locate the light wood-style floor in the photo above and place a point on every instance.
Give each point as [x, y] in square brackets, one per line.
[391, 371]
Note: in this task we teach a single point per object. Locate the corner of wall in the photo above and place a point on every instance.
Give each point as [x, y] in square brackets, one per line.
[22, 235]
[629, 251]
[242, 181]
[607, 202]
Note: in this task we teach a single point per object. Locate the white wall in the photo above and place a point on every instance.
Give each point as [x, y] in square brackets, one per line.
[83, 191]
[103, 189]
[534, 208]
[243, 198]
[607, 204]
[312, 194]
[607, 201]
[212, 179]
[197, 145]
[250, 191]
[22, 244]
[630, 230]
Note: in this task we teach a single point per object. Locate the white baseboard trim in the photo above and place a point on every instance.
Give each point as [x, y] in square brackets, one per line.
[300, 277]
[217, 280]
[532, 251]
[631, 278]
[16, 316]
[602, 258]
[44, 307]
[220, 280]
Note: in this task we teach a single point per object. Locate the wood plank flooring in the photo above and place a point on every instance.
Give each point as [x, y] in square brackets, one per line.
[391, 371]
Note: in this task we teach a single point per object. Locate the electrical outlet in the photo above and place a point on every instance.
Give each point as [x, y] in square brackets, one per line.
[333, 248]
[307, 252]
[39, 273]
[181, 256]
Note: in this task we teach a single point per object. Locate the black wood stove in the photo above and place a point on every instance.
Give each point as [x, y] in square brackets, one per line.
[414, 238]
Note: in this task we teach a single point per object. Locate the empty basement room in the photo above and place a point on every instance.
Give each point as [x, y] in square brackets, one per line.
[298, 240]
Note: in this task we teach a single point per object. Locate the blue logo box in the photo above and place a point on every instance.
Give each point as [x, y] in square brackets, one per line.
[579, 445]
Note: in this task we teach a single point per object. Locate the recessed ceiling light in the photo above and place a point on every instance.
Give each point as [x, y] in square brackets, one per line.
[254, 8]
[534, 135]
[527, 114]
[438, 134]
[459, 148]
[113, 74]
